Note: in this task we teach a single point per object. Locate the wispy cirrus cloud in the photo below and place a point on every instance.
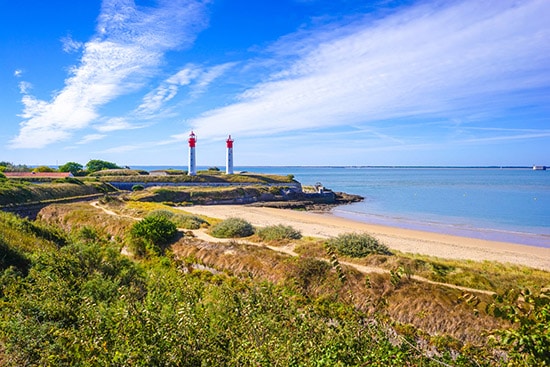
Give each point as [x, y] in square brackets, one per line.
[196, 78]
[70, 45]
[156, 99]
[442, 60]
[129, 44]
[91, 137]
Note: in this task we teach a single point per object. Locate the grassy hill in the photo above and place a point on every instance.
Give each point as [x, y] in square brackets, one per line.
[210, 176]
[14, 192]
[70, 297]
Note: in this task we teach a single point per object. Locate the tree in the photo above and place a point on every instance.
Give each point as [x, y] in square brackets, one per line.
[72, 167]
[10, 167]
[43, 169]
[97, 165]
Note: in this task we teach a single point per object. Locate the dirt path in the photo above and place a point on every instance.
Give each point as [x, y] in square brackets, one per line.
[289, 250]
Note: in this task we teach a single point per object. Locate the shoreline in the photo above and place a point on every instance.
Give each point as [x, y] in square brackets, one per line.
[490, 234]
[413, 241]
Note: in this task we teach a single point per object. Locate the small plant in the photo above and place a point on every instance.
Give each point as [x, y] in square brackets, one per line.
[138, 187]
[232, 227]
[188, 221]
[278, 232]
[161, 213]
[357, 245]
[152, 233]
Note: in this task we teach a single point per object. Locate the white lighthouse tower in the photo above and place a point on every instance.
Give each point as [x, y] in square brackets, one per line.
[192, 160]
[229, 156]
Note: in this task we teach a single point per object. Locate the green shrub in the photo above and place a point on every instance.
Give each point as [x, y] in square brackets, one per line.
[152, 233]
[528, 342]
[278, 232]
[188, 221]
[12, 256]
[357, 245]
[232, 227]
[175, 172]
[310, 272]
[138, 187]
[161, 213]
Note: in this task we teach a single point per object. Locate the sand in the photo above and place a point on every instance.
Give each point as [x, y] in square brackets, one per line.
[326, 225]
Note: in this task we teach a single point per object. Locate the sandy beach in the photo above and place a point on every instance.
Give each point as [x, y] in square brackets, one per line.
[411, 241]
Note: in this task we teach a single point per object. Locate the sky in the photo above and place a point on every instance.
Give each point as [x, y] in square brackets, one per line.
[295, 82]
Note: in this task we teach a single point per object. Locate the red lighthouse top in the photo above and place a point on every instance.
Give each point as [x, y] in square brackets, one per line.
[229, 142]
[192, 140]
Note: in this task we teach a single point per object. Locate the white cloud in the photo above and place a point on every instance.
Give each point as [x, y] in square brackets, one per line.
[197, 78]
[91, 137]
[206, 77]
[114, 124]
[70, 45]
[24, 87]
[129, 45]
[444, 61]
[155, 100]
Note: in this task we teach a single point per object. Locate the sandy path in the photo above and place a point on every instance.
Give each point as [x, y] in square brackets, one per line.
[405, 240]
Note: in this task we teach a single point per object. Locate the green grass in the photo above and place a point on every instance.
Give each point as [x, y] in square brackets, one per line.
[203, 176]
[17, 192]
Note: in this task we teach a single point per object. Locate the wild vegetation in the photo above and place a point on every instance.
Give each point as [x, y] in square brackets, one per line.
[69, 296]
[232, 228]
[357, 245]
[18, 191]
[278, 232]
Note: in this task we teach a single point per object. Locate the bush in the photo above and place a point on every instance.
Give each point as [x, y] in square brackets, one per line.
[278, 232]
[138, 187]
[357, 245]
[232, 227]
[188, 221]
[167, 214]
[152, 233]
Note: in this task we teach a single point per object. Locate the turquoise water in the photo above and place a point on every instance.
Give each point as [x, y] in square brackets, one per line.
[490, 203]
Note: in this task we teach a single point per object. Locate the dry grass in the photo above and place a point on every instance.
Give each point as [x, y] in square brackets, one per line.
[436, 310]
[72, 217]
[491, 276]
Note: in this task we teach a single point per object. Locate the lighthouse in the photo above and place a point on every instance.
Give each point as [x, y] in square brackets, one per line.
[192, 160]
[229, 156]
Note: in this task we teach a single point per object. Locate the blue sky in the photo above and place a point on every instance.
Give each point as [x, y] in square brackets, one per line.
[295, 82]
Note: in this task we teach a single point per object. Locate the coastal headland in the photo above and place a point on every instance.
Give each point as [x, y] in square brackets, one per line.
[265, 200]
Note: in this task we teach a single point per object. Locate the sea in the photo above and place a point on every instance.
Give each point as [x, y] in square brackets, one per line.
[500, 204]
